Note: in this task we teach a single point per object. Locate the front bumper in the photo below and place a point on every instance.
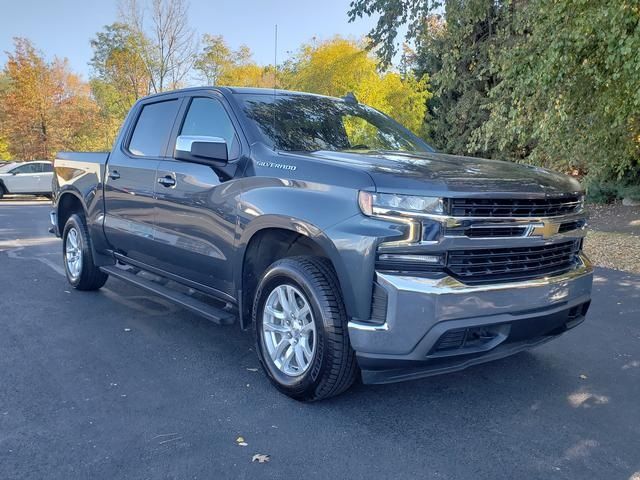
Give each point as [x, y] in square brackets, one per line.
[435, 326]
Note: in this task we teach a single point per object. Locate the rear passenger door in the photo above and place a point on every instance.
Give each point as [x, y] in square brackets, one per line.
[196, 204]
[131, 176]
[46, 177]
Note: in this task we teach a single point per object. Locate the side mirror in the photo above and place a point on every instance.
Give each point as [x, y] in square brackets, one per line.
[201, 149]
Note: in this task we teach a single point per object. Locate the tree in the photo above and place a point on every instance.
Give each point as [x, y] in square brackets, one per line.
[118, 62]
[119, 74]
[218, 60]
[569, 94]
[166, 42]
[454, 42]
[339, 66]
[551, 82]
[45, 107]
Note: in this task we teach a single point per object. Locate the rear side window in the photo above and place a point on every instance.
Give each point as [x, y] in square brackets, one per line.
[46, 167]
[153, 128]
[207, 117]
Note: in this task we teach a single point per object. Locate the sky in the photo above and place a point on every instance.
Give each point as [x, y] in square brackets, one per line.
[64, 28]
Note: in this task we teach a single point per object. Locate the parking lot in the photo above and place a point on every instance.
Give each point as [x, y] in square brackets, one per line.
[119, 384]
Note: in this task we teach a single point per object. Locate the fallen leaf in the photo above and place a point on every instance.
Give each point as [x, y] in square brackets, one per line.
[260, 458]
[127, 329]
[243, 444]
[252, 369]
[583, 376]
[240, 439]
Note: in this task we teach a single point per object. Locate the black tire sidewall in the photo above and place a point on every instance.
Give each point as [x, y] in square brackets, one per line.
[283, 274]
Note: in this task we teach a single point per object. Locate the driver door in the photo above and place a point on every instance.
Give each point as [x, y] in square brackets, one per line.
[196, 205]
[24, 179]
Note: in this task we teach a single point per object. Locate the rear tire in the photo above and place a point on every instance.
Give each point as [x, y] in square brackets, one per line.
[317, 366]
[79, 267]
[2, 191]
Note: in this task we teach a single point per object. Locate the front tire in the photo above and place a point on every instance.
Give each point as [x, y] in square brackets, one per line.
[79, 267]
[300, 328]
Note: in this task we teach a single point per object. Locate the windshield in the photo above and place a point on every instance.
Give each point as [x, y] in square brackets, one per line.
[5, 167]
[310, 123]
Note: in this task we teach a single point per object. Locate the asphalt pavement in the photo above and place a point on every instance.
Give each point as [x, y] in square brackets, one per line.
[118, 384]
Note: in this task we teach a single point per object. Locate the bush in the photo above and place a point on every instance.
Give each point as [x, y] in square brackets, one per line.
[629, 191]
[599, 191]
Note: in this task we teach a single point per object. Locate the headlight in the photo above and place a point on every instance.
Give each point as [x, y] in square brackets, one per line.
[391, 204]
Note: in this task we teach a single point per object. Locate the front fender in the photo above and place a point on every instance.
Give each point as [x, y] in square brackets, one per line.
[308, 230]
[350, 245]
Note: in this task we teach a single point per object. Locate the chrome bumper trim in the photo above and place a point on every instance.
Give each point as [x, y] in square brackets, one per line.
[449, 285]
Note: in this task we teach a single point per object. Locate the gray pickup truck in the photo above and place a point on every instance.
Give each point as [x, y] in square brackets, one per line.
[349, 246]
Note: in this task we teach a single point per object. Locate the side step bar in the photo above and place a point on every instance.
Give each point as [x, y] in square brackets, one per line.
[216, 315]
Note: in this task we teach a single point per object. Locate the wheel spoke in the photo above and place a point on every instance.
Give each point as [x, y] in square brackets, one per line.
[73, 238]
[304, 344]
[304, 311]
[283, 300]
[307, 328]
[286, 362]
[300, 357]
[291, 299]
[279, 350]
[274, 327]
[272, 311]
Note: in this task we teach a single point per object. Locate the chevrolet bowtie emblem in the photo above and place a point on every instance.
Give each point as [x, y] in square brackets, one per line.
[544, 229]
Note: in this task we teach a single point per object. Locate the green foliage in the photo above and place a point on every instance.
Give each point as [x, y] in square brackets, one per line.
[629, 191]
[119, 75]
[218, 64]
[569, 90]
[551, 82]
[601, 191]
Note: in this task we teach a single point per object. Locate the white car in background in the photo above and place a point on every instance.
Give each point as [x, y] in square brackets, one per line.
[26, 178]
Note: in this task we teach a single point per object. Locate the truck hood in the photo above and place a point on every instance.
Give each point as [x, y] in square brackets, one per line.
[452, 175]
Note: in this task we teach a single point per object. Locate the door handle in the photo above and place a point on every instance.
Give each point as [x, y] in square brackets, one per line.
[167, 181]
[114, 175]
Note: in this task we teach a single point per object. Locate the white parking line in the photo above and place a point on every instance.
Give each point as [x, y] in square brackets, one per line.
[15, 253]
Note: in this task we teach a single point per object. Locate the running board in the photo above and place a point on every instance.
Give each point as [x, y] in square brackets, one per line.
[216, 315]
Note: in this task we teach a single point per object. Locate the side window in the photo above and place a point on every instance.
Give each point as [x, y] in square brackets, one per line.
[153, 128]
[27, 168]
[207, 117]
[46, 167]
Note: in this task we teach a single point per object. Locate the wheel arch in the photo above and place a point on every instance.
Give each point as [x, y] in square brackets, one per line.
[68, 203]
[273, 238]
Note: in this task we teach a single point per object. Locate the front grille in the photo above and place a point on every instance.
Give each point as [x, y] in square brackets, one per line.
[511, 207]
[569, 226]
[490, 232]
[510, 264]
